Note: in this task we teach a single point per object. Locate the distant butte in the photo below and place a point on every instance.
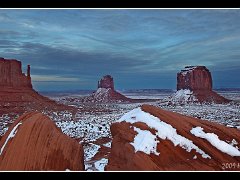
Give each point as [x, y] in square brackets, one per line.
[198, 80]
[106, 93]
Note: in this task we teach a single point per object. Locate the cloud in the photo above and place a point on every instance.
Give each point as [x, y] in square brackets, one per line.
[52, 78]
[138, 47]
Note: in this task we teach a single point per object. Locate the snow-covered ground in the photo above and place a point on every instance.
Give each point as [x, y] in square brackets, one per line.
[92, 122]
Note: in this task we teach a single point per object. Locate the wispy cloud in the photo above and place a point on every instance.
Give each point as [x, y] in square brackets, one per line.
[144, 46]
[52, 78]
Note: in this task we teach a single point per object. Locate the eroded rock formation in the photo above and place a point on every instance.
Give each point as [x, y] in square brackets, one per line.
[106, 82]
[149, 138]
[198, 80]
[16, 92]
[12, 76]
[194, 78]
[106, 93]
[34, 142]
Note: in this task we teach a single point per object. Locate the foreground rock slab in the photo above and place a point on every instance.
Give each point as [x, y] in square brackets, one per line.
[151, 139]
[35, 143]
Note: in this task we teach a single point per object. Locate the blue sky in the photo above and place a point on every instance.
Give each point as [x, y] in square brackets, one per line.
[141, 48]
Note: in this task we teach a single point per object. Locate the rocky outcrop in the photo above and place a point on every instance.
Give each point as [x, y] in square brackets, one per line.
[16, 92]
[149, 138]
[106, 82]
[12, 76]
[106, 93]
[198, 80]
[35, 143]
[194, 78]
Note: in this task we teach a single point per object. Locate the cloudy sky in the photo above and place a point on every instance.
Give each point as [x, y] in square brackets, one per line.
[72, 49]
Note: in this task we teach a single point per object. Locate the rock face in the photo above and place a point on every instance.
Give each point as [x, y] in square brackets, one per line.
[149, 138]
[106, 82]
[34, 142]
[198, 80]
[194, 78]
[16, 92]
[106, 93]
[12, 76]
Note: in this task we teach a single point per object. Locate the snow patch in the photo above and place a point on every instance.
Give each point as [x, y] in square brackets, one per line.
[11, 135]
[183, 95]
[164, 130]
[99, 165]
[145, 141]
[90, 151]
[102, 94]
[215, 141]
[187, 70]
[108, 144]
[88, 167]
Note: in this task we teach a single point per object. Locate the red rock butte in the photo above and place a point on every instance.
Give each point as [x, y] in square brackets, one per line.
[198, 79]
[194, 78]
[35, 143]
[106, 82]
[11, 75]
[106, 93]
[16, 87]
[177, 135]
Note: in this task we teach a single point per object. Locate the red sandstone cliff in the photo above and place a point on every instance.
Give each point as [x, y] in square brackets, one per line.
[12, 76]
[106, 82]
[34, 142]
[16, 92]
[198, 79]
[145, 139]
[194, 78]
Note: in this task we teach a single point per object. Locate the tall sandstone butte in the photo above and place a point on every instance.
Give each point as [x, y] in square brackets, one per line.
[194, 78]
[35, 143]
[173, 156]
[198, 79]
[106, 93]
[12, 76]
[16, 91]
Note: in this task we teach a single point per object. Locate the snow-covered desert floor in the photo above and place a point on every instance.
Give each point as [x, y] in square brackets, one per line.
[91, 123]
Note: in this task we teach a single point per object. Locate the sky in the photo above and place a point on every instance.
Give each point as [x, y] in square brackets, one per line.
[71, 49]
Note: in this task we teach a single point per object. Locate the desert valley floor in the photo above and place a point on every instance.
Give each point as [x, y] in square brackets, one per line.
[90, 124]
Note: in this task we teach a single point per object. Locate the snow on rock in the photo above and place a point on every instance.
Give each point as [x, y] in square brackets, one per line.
[90, 151]
[11, 135]
[100, 164]
[145, 141]
[183, 95]
[215, 141]
[88, 167]
[188, 69]
[107, 144]
[39, 145]
[101, 94]
[164, 130]
[179, 149]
